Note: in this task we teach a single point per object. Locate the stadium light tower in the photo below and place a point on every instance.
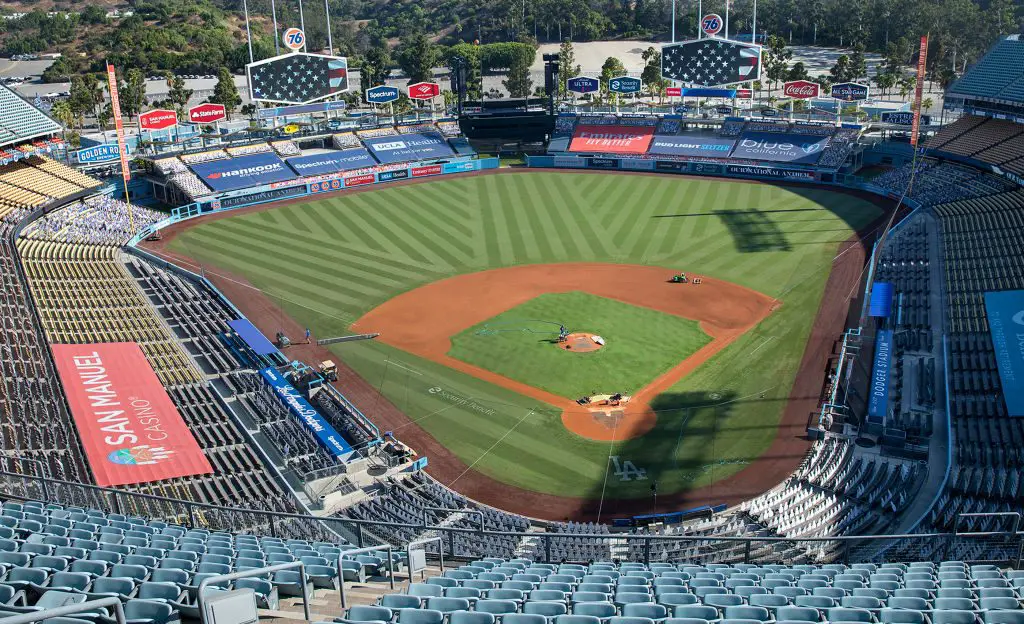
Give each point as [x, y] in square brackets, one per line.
[273, 13]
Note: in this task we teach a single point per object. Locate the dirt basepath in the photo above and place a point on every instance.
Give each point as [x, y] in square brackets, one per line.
[422, 322]
[778, 462]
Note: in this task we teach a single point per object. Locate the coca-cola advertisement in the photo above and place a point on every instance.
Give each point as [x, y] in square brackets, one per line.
[801, 89]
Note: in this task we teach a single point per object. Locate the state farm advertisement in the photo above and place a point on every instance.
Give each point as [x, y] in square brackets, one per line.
[612, 139]
[130, 428]
[207, 113]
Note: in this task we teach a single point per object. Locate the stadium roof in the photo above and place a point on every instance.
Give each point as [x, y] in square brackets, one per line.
[20, 121]
[997, 77]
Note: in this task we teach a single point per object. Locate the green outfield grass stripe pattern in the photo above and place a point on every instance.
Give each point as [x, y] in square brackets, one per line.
[330, 260]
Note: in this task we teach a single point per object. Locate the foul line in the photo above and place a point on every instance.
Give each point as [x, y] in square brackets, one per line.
[496, 443]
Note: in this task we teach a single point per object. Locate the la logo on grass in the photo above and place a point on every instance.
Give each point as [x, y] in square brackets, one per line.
[627, 470]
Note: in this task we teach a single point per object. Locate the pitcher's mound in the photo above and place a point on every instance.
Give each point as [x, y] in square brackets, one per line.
[582, 342]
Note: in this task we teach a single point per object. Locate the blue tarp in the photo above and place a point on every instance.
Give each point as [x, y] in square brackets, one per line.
[1006, 325]
[878, 395]
[332, 162]
[701, 92]
[330, 439]
[242, 172]
[881, 300]
[780, 147]
[252, 337]
[408, 147]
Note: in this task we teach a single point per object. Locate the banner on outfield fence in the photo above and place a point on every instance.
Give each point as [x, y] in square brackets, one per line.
[129, 427]
[243, 172]
[754, 171]
[331, 162]
[788, 148]
[878, 394]
[711, 145]
[324, 433]
[1005, 311]
[407, 147]
[612, 139]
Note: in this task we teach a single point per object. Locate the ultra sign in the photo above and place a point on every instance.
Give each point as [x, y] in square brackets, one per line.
[582, 84]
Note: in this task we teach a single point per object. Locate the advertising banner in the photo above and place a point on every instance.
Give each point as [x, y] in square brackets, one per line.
[673, 91]
[115, 107]
[429, 170]
[603, 163]
[671, 166]
[300, 109]
[207, 113]
[324, 433]
[582, 84]
[878, 394]
[262, 196]
[459, 167]
[98, 153]
[614, 139]
[1005, 311]
[411, 146]
[711, 93]
[903, 118]
[326, 186]
[850, 91]
[388, 176]
[381, 94]
[801, 89]
[788, 148]
[770, 172]
[361, 179]
[158, 119]
[424, 90]
[710, 145]
[625, 84]
[242, 172]
[706, 168]
[129, 427]
[331, 162]
[570, 162]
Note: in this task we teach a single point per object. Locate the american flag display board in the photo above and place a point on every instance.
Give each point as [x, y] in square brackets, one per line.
[711, 62]
[297, 78]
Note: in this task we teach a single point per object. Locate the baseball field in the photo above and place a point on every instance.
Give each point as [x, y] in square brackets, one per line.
[470, 280]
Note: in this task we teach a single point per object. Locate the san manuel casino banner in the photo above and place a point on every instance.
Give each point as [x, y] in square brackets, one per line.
[612, 139]
[130, 428]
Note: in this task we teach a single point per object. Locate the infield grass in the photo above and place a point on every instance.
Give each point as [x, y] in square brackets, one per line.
[519, 344]
[329, 260]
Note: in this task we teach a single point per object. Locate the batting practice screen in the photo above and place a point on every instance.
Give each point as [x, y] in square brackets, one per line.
[130, 428]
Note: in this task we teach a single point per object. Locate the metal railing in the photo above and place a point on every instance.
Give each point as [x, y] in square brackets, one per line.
[213, 580]
[360, 551]
[469, 543]
[88, 606]
[422, 542]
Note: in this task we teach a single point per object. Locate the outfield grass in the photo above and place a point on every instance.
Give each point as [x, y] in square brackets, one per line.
[640, 344]
[328, 261]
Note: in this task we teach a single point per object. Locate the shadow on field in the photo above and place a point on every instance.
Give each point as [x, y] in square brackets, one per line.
[753, 231]
[715, 214]
[692, 439]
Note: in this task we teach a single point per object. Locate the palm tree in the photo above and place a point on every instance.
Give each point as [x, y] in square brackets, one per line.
[61, 111]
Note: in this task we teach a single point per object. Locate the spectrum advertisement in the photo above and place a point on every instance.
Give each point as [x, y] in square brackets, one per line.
[243, 172]
[322, 164]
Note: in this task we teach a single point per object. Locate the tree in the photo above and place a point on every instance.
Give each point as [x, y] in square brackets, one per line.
[567, 65]
[858, 64]
[177, 94]
[885, 81]
[132, 92]
[651, 74]
[777, 59]
[61, 111]
[376, 66]
[417, 57]
[80, 97]
[225, 92]
[518, 81]
[841, 71]
[612, 68]
[927, 104]
[798, 72]
[104, 116]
